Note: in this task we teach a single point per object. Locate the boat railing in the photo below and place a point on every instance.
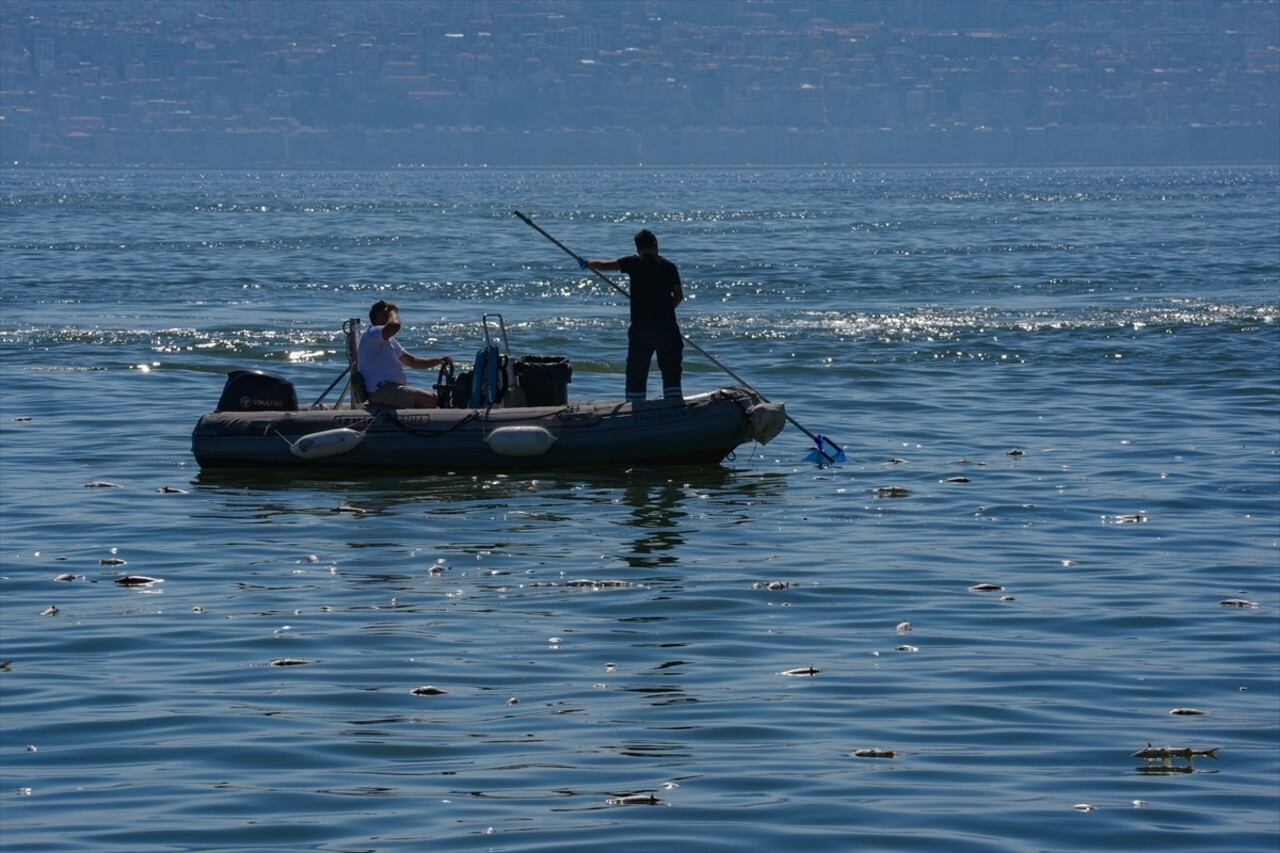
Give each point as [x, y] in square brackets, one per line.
[355, 384]
[514, 395]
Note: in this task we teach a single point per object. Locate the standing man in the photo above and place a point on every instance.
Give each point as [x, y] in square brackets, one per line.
[655, 293]
[382, 361]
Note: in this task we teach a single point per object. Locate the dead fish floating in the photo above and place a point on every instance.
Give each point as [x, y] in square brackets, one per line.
[892, 492]
[634, 800]
[429, 690]
[1189, 712]
[138, 580]
[1130, 518]
[111, 561]
[873, 752]
[1167, 753]
[1237, 602]
[773, 585]
[51, 610]
[102, 484]
[290, 662]
[608, 584]
[802, 671]
[986, 587]
[171, 490]
[957, 480]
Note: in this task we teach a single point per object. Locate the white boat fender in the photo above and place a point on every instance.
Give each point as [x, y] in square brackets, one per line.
[331, 442]
[520, 440]
[767, 420]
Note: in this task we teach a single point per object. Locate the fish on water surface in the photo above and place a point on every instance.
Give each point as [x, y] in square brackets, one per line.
[873, 752]
[1166, 753]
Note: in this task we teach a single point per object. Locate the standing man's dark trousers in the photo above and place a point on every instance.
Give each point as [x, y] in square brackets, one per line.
[641, 345]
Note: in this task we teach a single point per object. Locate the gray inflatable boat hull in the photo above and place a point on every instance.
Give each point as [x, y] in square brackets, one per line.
[701, 429]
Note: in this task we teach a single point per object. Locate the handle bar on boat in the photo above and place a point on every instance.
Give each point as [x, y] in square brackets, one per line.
[332, 385]
[818, 440]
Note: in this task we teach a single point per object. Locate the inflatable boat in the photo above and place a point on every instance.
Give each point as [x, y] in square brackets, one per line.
[500, 415]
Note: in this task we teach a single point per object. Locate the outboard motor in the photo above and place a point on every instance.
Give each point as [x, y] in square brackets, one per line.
[257, 391]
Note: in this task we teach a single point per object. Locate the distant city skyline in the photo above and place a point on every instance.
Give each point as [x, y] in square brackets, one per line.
[386, 83]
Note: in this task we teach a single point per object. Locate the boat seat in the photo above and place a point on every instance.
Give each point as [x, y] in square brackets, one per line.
[359, 394]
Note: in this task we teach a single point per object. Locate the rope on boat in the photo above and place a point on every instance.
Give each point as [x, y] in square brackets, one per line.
[396, 422]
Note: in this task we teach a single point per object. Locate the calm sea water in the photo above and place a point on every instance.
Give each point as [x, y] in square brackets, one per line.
[611, 635]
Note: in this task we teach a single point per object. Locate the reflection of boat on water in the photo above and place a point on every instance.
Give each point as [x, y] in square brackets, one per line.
[654, 522]
[641, 517]
[498, 417]
[383, 489]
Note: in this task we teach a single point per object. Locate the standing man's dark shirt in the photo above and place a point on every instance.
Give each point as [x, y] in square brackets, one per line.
[655, 281]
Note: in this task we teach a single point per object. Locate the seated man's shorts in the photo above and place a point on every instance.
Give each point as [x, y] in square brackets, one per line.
[395, 395]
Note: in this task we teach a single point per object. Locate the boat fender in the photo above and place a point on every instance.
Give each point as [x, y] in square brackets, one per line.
[767, 420]
[520, 440]
[331, 442]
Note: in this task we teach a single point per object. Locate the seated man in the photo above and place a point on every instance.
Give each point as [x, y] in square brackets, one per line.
[382, 361]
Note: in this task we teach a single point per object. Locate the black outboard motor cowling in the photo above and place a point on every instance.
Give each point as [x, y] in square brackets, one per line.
[257, 391]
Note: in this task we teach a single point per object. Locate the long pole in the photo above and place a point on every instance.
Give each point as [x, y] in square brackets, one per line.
[818, 440]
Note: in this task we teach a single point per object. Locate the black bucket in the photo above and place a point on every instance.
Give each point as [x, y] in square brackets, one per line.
[544, 379]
